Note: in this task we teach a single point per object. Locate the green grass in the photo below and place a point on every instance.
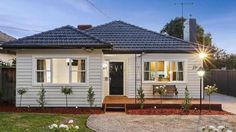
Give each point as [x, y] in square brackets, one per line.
[32, 122]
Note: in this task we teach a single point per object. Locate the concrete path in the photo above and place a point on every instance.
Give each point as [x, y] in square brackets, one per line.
[114, 122]
[228, 102]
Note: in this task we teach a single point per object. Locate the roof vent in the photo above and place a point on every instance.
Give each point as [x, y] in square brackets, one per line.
[84, 27]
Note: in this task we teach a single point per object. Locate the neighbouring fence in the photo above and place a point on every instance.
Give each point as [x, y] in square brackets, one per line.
[8, 84]
[225, 81]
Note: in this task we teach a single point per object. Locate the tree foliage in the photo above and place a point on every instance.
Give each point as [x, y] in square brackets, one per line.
[66, 91]
[175, 28]
[141, 96]
[21, 92]
[91, 95]
[41, 94]
[187, 100]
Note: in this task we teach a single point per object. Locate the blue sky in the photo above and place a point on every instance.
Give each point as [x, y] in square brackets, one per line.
[216, 16]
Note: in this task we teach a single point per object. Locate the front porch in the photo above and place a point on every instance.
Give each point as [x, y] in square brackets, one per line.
[123, 102]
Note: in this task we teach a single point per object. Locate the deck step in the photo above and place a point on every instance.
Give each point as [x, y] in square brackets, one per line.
[114, 107]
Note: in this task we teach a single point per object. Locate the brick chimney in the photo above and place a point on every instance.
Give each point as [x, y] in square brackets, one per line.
[84, 27]
[190, 30]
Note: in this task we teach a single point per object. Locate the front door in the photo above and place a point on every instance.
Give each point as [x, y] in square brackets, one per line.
[116, 73]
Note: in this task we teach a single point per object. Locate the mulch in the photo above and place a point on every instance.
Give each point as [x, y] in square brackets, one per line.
[152, 111]
[61, 110]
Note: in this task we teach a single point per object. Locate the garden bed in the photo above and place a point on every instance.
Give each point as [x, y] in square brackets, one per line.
[163, 111]
[62, 110]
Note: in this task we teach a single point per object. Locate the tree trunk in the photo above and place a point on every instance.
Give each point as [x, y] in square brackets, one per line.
[209, 102]
[20, 100]
[66, 101]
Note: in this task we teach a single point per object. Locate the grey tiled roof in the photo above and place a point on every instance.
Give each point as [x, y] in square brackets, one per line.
[127, 38]
[63, 37]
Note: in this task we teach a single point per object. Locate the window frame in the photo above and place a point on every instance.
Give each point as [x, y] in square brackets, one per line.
[34, 70]
[185, 63]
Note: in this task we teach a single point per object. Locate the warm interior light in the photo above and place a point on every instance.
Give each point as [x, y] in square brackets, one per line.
[202, 55]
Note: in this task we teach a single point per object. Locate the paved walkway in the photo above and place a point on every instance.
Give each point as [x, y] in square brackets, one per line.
[228, 102]
[113, 122]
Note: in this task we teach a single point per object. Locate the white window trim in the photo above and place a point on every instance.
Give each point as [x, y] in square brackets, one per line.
[34, 67]
[185, 66]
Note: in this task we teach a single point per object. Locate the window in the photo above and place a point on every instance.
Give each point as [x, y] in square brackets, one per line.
[61, 70]
[178, 71]
[163, 71]
[43, 71]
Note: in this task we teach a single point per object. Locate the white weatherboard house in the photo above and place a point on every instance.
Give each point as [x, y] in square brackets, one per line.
[115, 59]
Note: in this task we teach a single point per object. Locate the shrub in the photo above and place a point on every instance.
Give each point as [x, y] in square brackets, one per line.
[66, 91]
[141, 96]
[91, 95]
[21, 92]
[210, 90]
[41, 99]
[187, 100]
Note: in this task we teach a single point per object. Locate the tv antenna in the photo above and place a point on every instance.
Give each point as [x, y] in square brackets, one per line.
[182, 4]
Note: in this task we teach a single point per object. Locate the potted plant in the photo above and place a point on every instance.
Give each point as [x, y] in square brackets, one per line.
[161, 90]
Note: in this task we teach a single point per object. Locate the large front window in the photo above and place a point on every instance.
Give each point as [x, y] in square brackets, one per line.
[61, 70]
[164, 71]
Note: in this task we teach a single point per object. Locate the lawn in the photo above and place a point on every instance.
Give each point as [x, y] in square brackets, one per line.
[31, 122]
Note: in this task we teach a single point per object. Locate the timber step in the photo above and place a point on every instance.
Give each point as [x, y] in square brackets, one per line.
[114, 107]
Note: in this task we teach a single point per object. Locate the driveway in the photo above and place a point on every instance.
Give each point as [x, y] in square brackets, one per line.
[228, 102]
[113, 122]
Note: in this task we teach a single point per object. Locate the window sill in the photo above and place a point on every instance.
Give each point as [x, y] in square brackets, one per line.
[171, 82]
[59, 85]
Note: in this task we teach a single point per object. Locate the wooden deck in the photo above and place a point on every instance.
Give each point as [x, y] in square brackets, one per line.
[124, 101]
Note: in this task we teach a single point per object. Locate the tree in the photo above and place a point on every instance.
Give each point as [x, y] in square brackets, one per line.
[210, 90]
[175, 28]
[66, 91]
[21, 92]
[141, 96]
[187, 100]
[161, 90]
[41, 99]
[91, 95]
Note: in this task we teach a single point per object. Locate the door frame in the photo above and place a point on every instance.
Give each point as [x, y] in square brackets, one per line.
[124, 78]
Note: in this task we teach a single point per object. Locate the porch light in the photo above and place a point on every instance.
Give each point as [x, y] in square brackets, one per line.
[200, 72]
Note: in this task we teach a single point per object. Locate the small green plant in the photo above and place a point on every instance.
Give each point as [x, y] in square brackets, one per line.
[210, 90]
[91, 95]
[21, 92]
[141, 96]
[161, 90]
[187, 100]
[41, 99]
[66, 91]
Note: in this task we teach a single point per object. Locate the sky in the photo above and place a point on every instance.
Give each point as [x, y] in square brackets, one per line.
[20, 18]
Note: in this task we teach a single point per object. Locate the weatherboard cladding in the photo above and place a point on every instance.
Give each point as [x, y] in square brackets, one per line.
[117, 35]
[63, 37]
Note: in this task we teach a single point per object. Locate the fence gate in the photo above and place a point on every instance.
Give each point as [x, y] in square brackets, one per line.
[8, 84]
